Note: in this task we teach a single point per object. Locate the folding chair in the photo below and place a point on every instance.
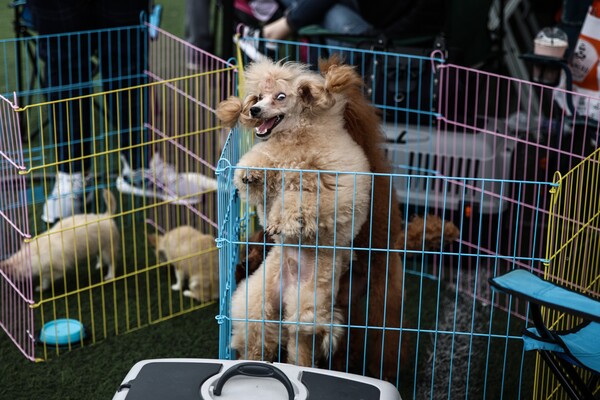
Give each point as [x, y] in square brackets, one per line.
[561, 350]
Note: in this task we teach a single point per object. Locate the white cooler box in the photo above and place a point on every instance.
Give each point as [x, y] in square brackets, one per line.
[195, 378]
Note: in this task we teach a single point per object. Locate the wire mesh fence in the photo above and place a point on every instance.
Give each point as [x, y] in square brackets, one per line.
[472, 156]
[138, 145]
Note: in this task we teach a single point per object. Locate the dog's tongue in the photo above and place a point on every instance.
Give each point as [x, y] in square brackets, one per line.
[266, 125]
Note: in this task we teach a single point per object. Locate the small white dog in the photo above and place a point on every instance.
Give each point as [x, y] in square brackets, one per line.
[70, 240]
[195, 258]
[298, 119]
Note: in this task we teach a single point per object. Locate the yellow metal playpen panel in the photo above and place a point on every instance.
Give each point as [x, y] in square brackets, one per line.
[573, 250]
[152, 146]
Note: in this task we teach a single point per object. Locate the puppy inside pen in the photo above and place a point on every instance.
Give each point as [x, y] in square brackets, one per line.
[196, 262]
[73, 239]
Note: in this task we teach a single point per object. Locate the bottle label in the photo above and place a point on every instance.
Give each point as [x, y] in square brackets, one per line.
[584, 60]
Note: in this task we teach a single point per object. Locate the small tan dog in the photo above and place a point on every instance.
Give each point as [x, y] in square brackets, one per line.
[69, 241]
[298, 119]
[429, 233]
[194, 256]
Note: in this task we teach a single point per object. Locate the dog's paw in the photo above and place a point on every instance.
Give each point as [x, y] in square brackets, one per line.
[253, 177]
[45, 285]
[176, 287]
[332, 333]
[190, 294]
[290, 228]
[272, 229]
[292, 224]
[331, 339]
[109, 275]
[249, 176]
[252, 350]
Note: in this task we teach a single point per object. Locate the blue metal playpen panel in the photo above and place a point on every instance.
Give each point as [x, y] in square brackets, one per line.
[479, 154]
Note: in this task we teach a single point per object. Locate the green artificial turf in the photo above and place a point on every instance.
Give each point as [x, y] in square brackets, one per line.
[94, 372]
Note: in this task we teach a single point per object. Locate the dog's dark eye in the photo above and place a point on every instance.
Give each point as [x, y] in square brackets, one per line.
[280, 97]
[260, 97]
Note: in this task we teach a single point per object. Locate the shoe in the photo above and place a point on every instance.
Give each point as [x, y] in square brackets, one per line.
[65, 198]
[249, 42]
[192, 66]
[162, 181]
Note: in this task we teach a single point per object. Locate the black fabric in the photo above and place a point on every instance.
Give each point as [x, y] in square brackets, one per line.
[321, 386]
[404, 82]
[310, 12]
[401, 85]
[394, 18]
[68, 70]
[170, 380]
[404, 17]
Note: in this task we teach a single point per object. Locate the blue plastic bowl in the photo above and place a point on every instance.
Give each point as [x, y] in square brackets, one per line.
[62, 332]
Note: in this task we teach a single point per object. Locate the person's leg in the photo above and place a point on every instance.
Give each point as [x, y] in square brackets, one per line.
[197, 30]
[67, 73]
[123, 55]
[345, 18]
[197, 24]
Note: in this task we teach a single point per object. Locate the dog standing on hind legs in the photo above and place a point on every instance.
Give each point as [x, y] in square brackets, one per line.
[300, 125]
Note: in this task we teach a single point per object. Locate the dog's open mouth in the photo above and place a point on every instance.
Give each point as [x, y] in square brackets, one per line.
[264, 130]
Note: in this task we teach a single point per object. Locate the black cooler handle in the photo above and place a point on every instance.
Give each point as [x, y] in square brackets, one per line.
[255, 369]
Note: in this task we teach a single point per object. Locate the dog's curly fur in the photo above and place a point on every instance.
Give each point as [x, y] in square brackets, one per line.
[252, 255]
[299, 116]
[193, 255]
[380, 232]
[384, 230]
[421, 233]
[427, 233]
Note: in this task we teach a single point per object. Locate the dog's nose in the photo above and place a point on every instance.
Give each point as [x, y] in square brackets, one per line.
[254, 111]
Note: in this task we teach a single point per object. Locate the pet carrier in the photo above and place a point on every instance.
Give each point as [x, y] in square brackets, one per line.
[225, 379]
[149, 141]
[476, 168]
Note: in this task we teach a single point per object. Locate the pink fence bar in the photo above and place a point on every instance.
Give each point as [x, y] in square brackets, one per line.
[515, 135]
[151, 140]
[16, 316]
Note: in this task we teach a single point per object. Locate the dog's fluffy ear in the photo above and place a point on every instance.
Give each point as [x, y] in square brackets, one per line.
[154, 239]
[326, 63]
[228, 111]
[314, 95]
[341, 78]
[245, 118]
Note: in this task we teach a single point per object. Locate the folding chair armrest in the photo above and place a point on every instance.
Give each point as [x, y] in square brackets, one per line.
[525, 285]
[545, 60]
[18, 3]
